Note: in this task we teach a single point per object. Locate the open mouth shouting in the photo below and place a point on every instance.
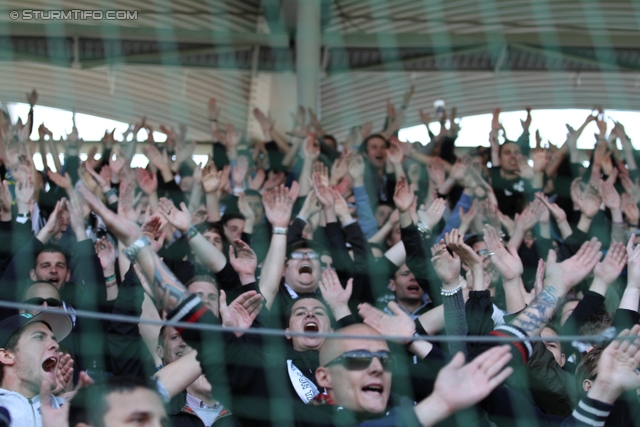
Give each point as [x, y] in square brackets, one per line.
[311, 327]
[374, 389]
[49, 365]
[305, 269]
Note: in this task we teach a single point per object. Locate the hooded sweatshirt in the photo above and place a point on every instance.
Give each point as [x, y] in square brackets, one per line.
[25, 412]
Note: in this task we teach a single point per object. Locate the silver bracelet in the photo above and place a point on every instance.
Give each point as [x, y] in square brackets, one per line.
[452, 292]
[280, 230]
[132, 251]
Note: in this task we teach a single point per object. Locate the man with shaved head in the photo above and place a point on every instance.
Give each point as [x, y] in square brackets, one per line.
[356, 372]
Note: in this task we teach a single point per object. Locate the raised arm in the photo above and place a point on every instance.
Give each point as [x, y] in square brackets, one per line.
[277, 205]
[559, 279]
[210, 256]
[508, 263]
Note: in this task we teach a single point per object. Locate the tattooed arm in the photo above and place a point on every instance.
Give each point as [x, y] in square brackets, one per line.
[168, 290]
[559, 279]
[165, 286]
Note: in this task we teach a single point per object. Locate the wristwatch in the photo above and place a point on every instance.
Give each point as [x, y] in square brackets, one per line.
[424, 230]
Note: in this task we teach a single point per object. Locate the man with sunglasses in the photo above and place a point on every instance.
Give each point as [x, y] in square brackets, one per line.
[43, 294]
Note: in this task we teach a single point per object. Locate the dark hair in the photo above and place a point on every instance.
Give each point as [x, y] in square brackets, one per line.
[90, 405]
[52, 248]
[508, 142]
[586, 369]
[11, 346]
[206, 226]
[228, 216]
[595, 324]
[365, 143]
[309, 295]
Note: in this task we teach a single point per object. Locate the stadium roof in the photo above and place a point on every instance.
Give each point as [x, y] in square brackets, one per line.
[475, 54]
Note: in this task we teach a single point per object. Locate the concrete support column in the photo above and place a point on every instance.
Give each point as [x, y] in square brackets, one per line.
[308, 54]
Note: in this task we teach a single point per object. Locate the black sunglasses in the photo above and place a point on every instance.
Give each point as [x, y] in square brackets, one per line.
[358, 360]
[51, 302]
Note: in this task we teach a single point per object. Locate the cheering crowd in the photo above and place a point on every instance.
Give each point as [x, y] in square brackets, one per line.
[330, 246]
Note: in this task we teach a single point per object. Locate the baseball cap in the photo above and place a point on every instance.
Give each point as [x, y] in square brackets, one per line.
[59, 323]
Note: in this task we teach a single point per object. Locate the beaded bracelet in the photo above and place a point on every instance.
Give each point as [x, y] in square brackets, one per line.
[448, 293]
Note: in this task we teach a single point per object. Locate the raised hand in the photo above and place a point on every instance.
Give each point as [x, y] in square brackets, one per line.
[432, 215]
[526, 123]
[245, 209]
[340, 205]
[256, 182]
[339, 168]
[311, 148]
[395, 152]
[457, 170]
[589, 203]
[455, 242]
[54, 222]
[610, 196]
[274, 180]
[151, 229]
[126, 203]
[400, 324]
[103, 179]
[179, 218]
[529, 216]
[459, 386]
[157, 159]
[63, 182]
[241, 312]
[495, 121]
[524, 170]
[446, 266]
[538, 284]
[310, 206]
[117, 162]
[572, 271]
[5, 197]
[106, 253]
[540, 160]
[334, 294]
[617, 368]
[558, 213]
[507, 262]
[64, 374]
[404, 195]
[123, 229]
[608, 270]
[278, 206]
[630, 209]
[245, 262]
[633, 263]
[24, 193]
[147, 181]
[436, 172]
[356, 169]
[323, 192]
[211, 178]
[240, 172]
